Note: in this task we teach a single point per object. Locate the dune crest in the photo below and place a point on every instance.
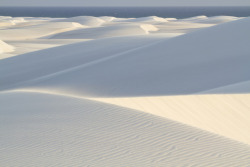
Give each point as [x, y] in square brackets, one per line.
[4, 47]
[89, 21]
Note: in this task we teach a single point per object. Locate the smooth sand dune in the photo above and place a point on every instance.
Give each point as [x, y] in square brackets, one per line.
[4, 23]
[4, 47]
[194, 19]
[51, 130]
[219, 19]
[151, 19]
[170, 25]
[26, 46]
[108, 31]
[18, 22]
[227, 114]
[37, 31]
[180, 27]
[46, 62]
[29, 24]
[108, 18]
[84, 20]
[241, 87]
[210, 20]
[188, 64]
[13, 20]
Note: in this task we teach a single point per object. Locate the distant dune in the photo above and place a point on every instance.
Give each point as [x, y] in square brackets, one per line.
[4, 47]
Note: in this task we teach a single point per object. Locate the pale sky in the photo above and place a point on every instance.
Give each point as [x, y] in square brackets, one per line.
[124, 3]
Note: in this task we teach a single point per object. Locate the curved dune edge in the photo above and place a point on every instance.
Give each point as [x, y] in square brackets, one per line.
[38, 31]
[36, 134]
[83, 20]
[5, 48]
[223, 114]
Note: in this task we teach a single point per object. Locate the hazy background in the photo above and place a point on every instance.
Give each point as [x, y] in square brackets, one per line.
[124, 3]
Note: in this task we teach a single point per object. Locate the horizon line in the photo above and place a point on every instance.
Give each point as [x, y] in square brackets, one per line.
[131, 6]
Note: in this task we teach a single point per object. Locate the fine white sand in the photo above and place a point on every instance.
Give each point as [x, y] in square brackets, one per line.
[105, 91]
[4, 47]
[89, 21]
[37, 31]
[51, 130]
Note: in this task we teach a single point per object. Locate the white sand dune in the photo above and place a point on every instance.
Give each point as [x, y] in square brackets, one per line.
[26, 46]
[13, 20]
[210, 20]
[171, 25]
[40, 28]
[4, 47]
[37, 31]
[48, 61]
[29, 24]
[151, 19]
[180, 27]
[137, 94]
[171, 67]
[84, 20]
[6, 23]
[109, 31]
[77, 132]
[241, 87]
[108, 18]
[219, 19]
[227, 114]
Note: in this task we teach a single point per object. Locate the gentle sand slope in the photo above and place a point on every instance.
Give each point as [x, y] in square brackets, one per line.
[52, 130]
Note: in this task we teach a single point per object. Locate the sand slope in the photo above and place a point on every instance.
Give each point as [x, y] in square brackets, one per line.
[78, 132]
[109, 31]
[50, 61]
[186, 64]
[84, 20]
[4, 47]
[227, 115]
[37, 31]
[210, 20]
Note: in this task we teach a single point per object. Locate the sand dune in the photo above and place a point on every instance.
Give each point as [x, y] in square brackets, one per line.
[241, 87]
[210, 20]
[227, 115]
[142, 92]
[78, 132]
[4, 47]
[16, 28]
[5, 23]
[151, 19]
[180, 27]
[48, 61]
[37, 31]
[109, 31]
[84, 20]
[31, 45]
[171, 67]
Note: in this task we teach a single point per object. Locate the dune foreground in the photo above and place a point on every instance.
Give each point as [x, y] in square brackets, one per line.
[106, 91]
